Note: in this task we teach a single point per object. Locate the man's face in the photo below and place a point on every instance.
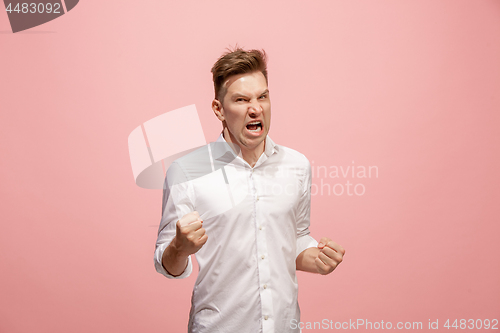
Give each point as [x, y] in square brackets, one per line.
[246, 110]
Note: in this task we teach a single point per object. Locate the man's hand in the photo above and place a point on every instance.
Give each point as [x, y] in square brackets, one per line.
[329, 257]
[322, 259]
[189, 237]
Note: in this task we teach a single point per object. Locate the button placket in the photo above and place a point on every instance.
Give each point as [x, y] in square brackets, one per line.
[263, 262]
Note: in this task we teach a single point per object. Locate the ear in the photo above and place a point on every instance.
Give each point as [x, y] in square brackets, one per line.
[218, 109]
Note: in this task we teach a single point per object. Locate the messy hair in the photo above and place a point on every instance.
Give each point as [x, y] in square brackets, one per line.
[234, 62]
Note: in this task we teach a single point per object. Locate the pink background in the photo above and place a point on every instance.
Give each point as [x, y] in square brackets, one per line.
[412, 87]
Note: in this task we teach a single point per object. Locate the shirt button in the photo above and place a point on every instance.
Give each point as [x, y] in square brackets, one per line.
[260, 227]
[263, 256]
[257, 199]
[265, 286]
[266, 317]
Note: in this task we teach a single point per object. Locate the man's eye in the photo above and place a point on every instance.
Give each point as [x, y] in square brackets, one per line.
[263, 97]
[240, 99]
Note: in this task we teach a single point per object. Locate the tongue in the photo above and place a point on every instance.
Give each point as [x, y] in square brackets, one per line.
[252, 127]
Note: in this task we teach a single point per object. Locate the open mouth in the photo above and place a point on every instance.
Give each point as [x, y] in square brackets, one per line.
[254, 126]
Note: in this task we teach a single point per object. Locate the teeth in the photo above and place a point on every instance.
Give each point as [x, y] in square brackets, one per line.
[253, 123]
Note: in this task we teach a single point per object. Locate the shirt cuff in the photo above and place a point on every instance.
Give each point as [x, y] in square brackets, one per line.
[160, 269]
[304, 243]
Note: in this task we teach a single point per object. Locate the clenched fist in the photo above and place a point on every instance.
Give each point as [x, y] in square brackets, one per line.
[190, 235]
[329, 257]
[322, 259]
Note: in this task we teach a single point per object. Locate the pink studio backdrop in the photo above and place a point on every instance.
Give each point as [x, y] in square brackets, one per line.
[410, 88]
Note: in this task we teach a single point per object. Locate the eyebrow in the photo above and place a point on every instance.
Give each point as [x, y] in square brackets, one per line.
[239, 95]
[236, 95]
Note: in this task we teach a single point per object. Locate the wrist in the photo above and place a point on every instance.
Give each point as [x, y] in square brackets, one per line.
[173, 260]
[175, 250]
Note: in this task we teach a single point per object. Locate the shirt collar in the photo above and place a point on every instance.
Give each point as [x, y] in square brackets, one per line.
[221, 150]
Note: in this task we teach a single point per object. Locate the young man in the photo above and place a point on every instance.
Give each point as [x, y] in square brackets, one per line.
[241, 205]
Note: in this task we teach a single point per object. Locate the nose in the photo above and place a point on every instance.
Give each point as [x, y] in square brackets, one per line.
[255, 108]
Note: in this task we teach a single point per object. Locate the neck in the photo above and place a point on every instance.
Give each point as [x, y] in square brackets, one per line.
[250, 155]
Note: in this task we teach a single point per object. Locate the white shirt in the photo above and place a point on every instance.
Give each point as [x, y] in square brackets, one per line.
[257, 222]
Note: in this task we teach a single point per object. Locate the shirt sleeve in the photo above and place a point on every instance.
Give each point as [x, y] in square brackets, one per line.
[304, 240]
[177, 195]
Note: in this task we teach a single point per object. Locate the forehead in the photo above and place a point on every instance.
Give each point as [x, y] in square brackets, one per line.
[254, 82]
